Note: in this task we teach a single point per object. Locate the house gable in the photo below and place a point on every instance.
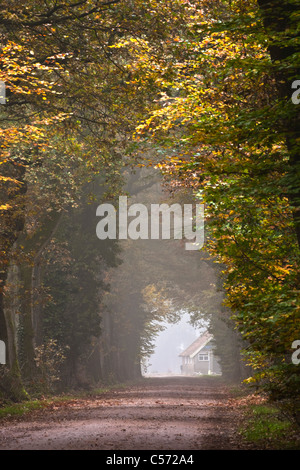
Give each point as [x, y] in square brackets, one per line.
[203, 348]
[199, 357]
[197, 345]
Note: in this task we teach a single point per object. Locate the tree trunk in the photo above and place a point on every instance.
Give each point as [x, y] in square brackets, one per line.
[11, 308]
[27, 345]
[12, 223]
[11, 381]
[31, 296]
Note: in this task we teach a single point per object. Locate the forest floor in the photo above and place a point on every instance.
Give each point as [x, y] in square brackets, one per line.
[157, 413]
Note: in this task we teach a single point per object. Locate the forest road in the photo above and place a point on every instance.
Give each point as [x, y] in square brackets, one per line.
[159, 413]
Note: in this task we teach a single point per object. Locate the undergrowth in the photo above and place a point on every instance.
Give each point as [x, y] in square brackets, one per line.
[268, 427]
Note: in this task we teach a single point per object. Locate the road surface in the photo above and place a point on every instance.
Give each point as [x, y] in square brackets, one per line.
[159, 413]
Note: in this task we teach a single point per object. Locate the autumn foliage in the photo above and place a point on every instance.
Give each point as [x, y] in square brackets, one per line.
[222, 129]
[206, 86]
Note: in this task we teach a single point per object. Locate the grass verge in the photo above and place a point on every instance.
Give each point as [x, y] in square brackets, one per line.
[267, 427]
[10, 410]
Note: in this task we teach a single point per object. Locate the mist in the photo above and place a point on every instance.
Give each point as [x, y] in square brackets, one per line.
[163, 294]
[168, 345]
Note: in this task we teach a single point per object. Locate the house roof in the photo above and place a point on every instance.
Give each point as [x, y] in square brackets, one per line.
[197, 345]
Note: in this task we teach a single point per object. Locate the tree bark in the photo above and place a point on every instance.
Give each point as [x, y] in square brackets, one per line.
[30, 311]
[12, 223]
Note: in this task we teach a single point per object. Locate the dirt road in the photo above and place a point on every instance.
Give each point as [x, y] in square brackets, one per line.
[162, 414]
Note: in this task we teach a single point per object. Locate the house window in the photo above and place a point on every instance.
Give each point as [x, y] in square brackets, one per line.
[202, 357]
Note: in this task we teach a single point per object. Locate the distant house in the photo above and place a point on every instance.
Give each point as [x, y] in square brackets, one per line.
[199, 357]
